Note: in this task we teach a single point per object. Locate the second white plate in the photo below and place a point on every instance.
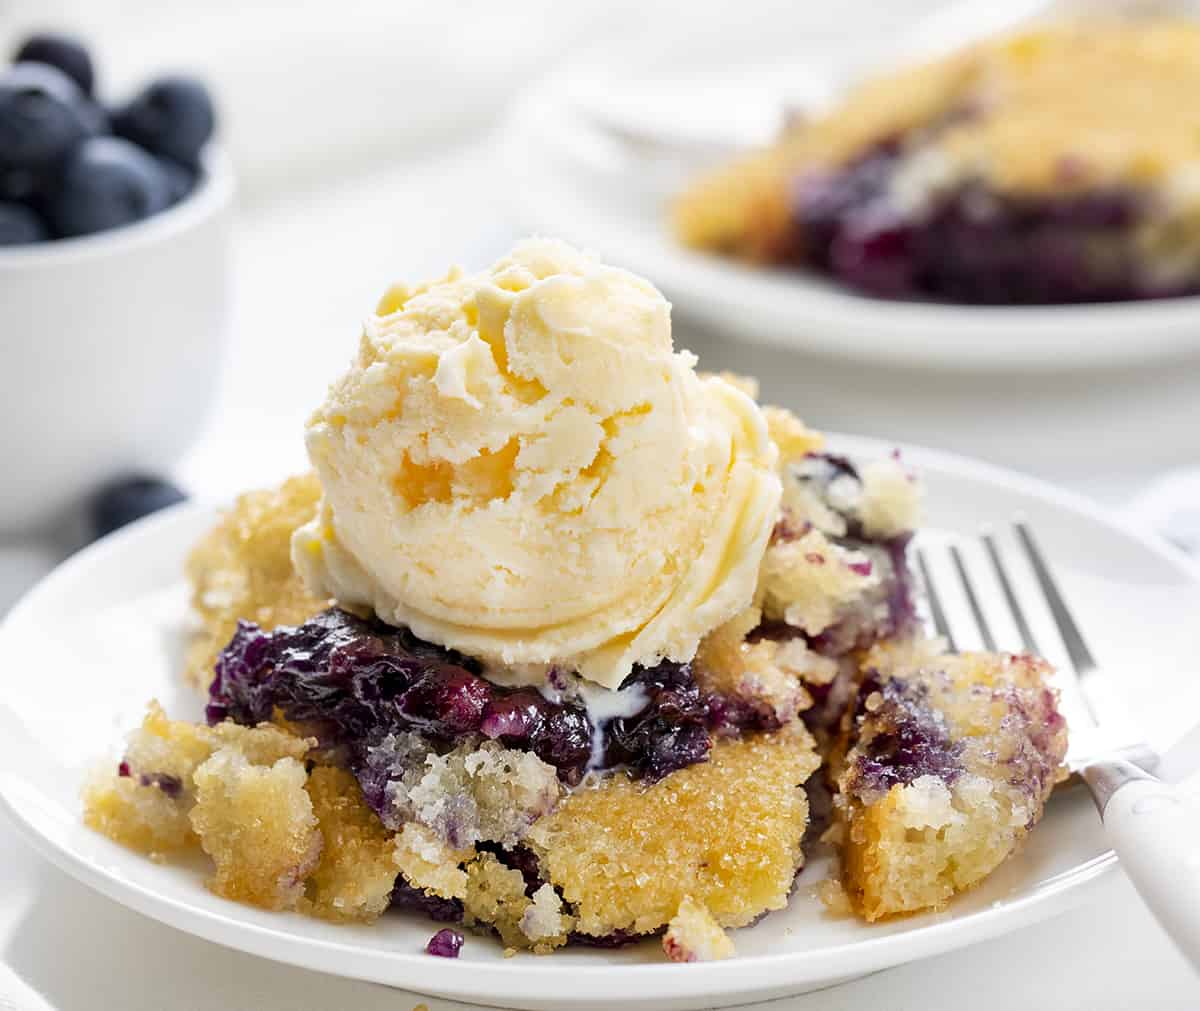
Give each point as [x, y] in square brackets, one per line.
[573, 176]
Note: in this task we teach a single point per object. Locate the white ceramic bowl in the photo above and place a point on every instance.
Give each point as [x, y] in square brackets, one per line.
[111, 349]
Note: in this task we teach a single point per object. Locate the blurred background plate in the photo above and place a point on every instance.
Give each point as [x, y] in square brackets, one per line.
[595, 156]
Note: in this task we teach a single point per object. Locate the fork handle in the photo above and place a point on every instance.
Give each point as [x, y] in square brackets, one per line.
[1155, 830]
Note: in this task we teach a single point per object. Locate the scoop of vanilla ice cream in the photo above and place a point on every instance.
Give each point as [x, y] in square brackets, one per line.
[519, 465]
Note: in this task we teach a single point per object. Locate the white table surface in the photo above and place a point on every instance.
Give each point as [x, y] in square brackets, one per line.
[308, 270]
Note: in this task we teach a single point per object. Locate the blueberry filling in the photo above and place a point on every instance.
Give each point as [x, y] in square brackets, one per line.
[524, 719]
[406, 897]
[901, 738]
[730, 716]
[670, 733]
[518, 858]
[355, 683]
[970, 244]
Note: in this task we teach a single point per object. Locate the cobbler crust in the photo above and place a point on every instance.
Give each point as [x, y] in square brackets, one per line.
[359, 858]
[726, 832]
[242, 570]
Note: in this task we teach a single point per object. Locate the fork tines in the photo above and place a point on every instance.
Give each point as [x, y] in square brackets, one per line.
[990, 608]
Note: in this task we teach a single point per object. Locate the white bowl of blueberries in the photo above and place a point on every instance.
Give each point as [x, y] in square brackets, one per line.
[114, 280]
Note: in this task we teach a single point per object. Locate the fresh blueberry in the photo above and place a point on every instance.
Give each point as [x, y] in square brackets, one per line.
[108, 182]
[43, 117]
[172, 117]
[181, 178]
[63, 52]
[128, 499]
[20, 225]
[19, 184]
[446, 943]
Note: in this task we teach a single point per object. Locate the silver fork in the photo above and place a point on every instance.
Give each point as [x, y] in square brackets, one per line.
[1153, 827]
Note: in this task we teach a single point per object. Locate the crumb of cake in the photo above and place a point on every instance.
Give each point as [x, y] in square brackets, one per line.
[166, 747]
[835, 834]
[836, 567]
[694, 936]
[726, 831]
[429, 864]
[242, 570]
[257, 824]
[808, 581]
[793, 657]
[951, 762]
[261, 745]
[876, 501]
[126, 803]
[475, 793]
[834, 897]
[145, 801]
[496, 898]
[767, 675]
[446, 943]
[794, 439]
[805, 508]
[891, 499]
[142, 818]
[544, 918]
[720, 656]
[356, 873]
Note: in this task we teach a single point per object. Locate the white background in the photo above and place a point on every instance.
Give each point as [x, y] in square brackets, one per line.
[365, 138]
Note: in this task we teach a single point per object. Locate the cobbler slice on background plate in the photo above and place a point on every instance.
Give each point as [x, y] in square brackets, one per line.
[1054, 165]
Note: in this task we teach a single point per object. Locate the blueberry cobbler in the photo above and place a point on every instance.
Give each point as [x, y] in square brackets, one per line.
[1056, 165]
[557, 639]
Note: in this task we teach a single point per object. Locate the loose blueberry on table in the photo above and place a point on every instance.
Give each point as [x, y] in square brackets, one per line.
[126, 499]
[446, 943]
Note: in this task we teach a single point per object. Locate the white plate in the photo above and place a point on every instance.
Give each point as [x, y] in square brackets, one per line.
[105, 632]
[572, 179]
